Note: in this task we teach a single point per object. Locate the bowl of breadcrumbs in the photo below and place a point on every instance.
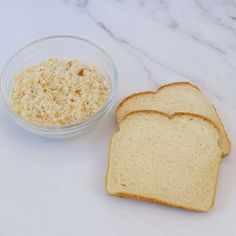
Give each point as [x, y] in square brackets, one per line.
[59, 86]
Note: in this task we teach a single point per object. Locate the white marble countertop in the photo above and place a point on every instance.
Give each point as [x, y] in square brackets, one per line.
[57, 187]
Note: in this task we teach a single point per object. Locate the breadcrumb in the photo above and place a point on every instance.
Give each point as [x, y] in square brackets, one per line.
[58, 92]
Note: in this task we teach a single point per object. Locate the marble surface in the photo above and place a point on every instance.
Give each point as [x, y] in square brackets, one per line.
[57, 187]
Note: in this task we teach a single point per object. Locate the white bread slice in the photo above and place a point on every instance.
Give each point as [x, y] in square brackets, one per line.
[169, 160]
[172, 98]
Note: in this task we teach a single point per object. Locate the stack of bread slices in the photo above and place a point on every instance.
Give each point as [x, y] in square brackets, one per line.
[168, 148]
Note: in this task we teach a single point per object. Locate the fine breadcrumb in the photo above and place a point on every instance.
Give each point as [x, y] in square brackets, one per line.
[58, 92]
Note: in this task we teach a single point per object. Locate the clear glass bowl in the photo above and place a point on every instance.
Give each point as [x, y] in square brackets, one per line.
[63, 47]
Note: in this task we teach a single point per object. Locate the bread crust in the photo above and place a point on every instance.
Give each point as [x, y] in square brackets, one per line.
[154, 92]
[154, 200]
[224, 153]
[177, 114]
[227, 136]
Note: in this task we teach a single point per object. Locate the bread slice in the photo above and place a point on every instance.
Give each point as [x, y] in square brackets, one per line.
[172, 98]
[169, 160]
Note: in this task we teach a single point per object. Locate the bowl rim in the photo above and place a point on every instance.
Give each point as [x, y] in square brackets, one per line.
[76, 125]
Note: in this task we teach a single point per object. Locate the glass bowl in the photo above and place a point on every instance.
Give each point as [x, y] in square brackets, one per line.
[63, 47]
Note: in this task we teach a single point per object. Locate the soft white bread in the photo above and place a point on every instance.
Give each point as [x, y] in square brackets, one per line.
[169, 160]
[172, 98]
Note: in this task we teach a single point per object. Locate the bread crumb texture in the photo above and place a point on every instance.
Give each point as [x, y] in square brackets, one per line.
[172, 98]
[173, 161]
[58, 92]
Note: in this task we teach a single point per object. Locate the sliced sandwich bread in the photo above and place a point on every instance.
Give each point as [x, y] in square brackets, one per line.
[172, 160]
[172, 98]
